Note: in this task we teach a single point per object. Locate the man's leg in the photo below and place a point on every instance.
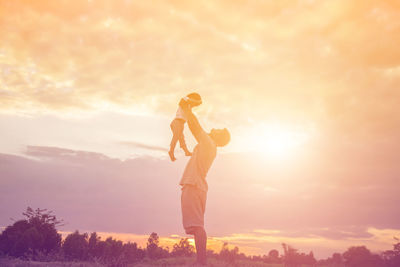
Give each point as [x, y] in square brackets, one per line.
[200, 240]
[193, 201]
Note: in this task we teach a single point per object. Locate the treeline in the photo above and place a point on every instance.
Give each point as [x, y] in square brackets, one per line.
[36, 238]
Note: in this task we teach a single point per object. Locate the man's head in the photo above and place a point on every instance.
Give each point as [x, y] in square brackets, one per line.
[221, 137]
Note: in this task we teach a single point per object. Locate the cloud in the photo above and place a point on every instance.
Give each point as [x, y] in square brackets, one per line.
[55, 154]
[329, 68]
[309, 208]
[259, 242]
[72, 183]
[144, 146]
[300, 61]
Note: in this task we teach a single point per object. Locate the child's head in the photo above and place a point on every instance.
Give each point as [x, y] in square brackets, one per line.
[194, 99]
[221, 137]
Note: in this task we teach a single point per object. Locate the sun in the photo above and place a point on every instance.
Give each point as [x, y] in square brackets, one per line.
[276, 144]
[274, 141]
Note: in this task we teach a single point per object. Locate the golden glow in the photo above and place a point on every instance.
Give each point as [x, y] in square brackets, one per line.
[260, 241]
[274, 141]
[308, 86]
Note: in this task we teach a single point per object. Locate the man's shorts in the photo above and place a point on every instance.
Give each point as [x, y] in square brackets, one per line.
[193, 203]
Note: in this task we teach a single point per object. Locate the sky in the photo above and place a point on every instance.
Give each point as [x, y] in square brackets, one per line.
[308, 89]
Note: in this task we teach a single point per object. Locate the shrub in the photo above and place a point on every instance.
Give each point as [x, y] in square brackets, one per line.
[183, 248]
[76, 246]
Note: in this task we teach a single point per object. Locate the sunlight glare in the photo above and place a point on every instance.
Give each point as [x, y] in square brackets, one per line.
[275, 141]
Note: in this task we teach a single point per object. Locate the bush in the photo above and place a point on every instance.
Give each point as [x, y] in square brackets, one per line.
[76, 246]
[183, 248]
[132, 253]
[360, 256]
[153, 250]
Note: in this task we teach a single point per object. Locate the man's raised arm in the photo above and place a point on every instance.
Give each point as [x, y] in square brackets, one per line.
[192, 121]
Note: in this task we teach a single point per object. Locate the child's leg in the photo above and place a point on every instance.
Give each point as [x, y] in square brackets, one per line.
[177, 131]
[174, 139]
[183, 144]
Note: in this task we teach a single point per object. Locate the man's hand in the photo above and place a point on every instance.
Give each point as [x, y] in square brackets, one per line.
[184, 104]
[192, 121]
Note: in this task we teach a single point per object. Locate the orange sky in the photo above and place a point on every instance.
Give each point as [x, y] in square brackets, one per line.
[308, 89]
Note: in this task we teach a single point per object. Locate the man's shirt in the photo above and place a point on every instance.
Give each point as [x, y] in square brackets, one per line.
[203, 156]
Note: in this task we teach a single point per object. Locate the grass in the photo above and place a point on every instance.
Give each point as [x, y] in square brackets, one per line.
[22, 263]
[179, 262]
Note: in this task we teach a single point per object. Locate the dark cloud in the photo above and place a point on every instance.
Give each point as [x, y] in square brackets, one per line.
[92, 191]
[82, 185]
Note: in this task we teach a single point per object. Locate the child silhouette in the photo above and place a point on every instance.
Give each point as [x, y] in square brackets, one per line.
[178, 124]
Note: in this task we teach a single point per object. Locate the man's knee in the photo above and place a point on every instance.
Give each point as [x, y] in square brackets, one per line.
[194, 229]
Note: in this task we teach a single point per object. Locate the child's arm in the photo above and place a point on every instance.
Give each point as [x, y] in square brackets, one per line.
[192, 121]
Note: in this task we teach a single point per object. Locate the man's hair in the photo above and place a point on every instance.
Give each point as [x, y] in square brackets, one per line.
[222, 137]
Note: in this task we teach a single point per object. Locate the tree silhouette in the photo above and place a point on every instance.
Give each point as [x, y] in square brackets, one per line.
[132, 253]
[33, 235]
[292, 258]
[229, 255]
[392, 257]
[183, 248]
[273, 257]
[152, 246]
[111, 249]
[290, 255]
[154, 251]
[44, 216]
[337, 258]
[36, 238]
[360, 256]
[76, 246]
[153, 240]
[93, 242]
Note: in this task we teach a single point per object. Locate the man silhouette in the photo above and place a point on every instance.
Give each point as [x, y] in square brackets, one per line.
[193, 182]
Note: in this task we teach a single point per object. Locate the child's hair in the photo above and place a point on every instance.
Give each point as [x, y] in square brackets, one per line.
[195, 97]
